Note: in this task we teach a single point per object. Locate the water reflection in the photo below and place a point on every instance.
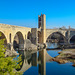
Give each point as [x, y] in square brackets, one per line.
[28, 59]
[53, 53]
[36, 64]
[42, 64]
[52, 45]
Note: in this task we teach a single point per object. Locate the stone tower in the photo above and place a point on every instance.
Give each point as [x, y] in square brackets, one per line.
[42, 39]
[42, 28]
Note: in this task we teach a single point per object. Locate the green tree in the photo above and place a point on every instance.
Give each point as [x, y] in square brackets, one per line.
[8, 64]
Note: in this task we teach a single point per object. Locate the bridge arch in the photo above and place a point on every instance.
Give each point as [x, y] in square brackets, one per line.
[72, 39]
[57, 36]
[3, 36]
[29, 35]
[18, 41]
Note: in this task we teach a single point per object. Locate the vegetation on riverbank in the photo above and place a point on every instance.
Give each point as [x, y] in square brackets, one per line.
[8, 64]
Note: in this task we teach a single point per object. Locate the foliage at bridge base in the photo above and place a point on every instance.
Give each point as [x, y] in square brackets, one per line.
[8, 64]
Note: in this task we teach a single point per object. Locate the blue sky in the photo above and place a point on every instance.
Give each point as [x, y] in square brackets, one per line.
[25, 12]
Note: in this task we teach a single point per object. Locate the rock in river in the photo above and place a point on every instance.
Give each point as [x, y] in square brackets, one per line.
[11, 53]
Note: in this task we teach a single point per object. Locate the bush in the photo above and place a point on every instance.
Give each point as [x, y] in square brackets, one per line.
[8, 64]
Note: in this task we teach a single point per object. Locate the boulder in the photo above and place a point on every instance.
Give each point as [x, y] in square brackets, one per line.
[41, 46]
[11, 53]
[30, 46]
[61, 61]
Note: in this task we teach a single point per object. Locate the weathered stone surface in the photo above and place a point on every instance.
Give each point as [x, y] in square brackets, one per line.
[34, 35]
[12, 29]
[30, 46]
[41, 46]
[11, 53]
[67, 54]
[61, 61]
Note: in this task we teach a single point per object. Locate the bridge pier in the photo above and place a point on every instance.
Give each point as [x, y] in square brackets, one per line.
[69, 35]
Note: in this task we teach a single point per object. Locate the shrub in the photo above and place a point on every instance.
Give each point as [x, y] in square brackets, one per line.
[8, 64]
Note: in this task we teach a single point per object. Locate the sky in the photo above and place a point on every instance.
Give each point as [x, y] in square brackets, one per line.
[25, 12]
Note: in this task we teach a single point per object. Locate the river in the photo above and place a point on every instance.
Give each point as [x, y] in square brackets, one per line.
[31, 64]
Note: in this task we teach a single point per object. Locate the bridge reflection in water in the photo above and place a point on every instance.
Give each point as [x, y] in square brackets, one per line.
[30, 58]
[42, 64]
[36, 64]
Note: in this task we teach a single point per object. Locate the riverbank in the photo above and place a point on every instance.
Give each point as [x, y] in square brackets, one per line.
[66, 55]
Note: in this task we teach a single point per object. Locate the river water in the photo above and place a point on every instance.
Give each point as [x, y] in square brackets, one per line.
[31, 64]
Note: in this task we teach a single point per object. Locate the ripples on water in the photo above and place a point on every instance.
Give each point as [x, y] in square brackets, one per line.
[31, 65]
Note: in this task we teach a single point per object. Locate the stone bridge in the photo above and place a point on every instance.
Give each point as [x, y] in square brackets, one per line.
[67, 34]
[45, 34]
[14, 34]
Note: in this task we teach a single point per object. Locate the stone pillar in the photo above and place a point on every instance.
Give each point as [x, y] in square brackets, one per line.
[44, 28]
[42, 39]
[34, 36]
[69, 35]
[11, 43]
